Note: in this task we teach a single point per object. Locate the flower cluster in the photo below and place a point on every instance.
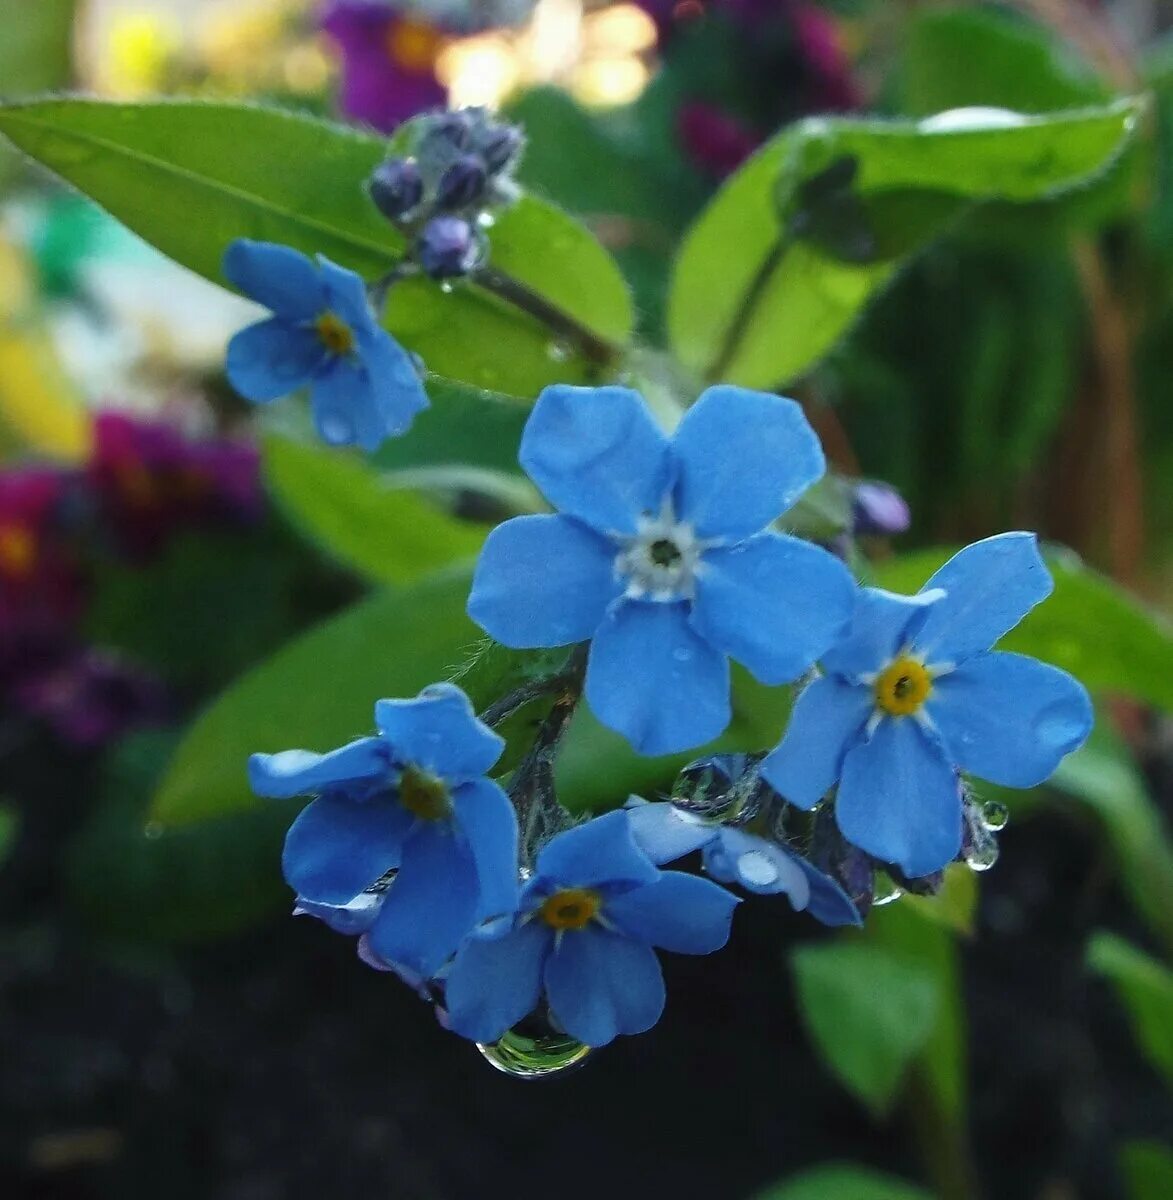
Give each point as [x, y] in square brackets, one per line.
[142, 485]
[458, 169]
[661, 564]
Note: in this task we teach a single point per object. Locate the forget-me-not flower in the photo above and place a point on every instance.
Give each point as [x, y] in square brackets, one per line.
[666, 832]
[913, 694]
[415, 800]
[592, 912]
[364, 386]
[661, 555]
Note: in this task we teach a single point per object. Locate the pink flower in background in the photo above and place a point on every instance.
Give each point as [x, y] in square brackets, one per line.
[715, 141]
[820, 42]
[388, 62]
[149, 481]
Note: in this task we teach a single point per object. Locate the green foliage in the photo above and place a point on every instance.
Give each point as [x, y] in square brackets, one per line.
[1148, 1168]
[869, 1012]
[1145, 988]
[317, 692]
[129, 878]
[759, 297]
[1088, 626]
[9, 827]
[364, 519]
[843, 1181]
[279, 176]
[954, 907]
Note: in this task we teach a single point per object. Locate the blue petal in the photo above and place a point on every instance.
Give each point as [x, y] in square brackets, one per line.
[396, 387]
[338, 847]
[882, 625]
[489, 824]
[343, 404]
[664, 832]
[439, 731]
[346, 295]
[601, 851]
[543, 581]
[774, 603]
[743, 458]
[990, 587]
[432, 905]
[1009, 718]
[678, 912]
[495, 982]
[276, 276]
[828, 903]
[758, 865]
[899, 799]
[596, 454]
[828, 719]
[353, 918]
[272, 359]
[601, 985]
[651, 678]
[359, 766]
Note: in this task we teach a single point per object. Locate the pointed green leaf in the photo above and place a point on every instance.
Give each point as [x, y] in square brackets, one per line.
[1145, 988]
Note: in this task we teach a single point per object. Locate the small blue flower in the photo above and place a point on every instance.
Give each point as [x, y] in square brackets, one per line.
[413, 800]
[913, 694]
[665, 832]
[363, 385]
[589, 919]
[662, 556]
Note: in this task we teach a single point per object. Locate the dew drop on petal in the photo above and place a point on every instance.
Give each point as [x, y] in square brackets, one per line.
[756, 868]
[681, 655]
[534, 1056]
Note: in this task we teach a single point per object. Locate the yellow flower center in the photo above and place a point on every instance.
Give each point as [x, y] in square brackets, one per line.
[421, 793]
[18, 551]
[903, 686]
[414, 45]
[335, 334]
[571, 908]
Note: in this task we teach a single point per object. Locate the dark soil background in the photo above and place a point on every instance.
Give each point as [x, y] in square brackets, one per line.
[277, 1067]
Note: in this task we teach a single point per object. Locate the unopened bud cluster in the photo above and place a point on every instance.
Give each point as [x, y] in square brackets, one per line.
[443, 192]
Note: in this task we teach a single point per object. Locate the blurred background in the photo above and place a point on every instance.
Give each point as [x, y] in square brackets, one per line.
[166, 1029]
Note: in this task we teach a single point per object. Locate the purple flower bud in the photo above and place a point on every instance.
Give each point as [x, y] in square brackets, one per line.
[446, 130]
[462, 184]
[879, 509]
[396, 188]
[447, 248]
[499, 146]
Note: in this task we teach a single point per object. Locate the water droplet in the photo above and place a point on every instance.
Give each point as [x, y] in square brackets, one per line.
[336, 430]
[884, 891]
[153, 830]
[532, 1050]
[446, 287]
[756, 868]
[995, 815]
[557, 351]
[486, 220]
[982, 854]
[681, 655]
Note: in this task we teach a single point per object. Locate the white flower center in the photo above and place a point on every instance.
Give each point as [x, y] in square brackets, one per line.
[660, 561]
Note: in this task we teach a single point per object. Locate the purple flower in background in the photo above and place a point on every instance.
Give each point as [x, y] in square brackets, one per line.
[716, 141]
[879, 510]
[150, 481]
[388, 62]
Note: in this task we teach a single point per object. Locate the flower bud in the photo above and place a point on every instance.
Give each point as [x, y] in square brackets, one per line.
[462, 184]
[447, 248]
[396, 188]
[500, 146]
[879, 509]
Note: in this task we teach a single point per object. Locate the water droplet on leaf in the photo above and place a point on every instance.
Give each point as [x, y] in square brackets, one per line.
[557, 351]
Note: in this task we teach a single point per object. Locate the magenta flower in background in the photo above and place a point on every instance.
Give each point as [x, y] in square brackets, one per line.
[831, 87]
[388, 62]
[714, 140]
[149, 481]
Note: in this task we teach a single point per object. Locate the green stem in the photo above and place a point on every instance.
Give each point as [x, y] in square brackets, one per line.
[942, 1141]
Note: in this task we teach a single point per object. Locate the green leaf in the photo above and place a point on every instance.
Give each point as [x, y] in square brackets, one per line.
[954, 906]
[754, 308]
[868, 1011]
[36, 50]
[1145, 988]
[129, 879]
[386, 532]
[1148, 1168]
[280, 176]
[9, 827]
[1103, 775]
[317, 692]
[843, 1181]
[1088, 626]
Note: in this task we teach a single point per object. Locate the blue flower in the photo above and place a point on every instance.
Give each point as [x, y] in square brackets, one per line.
[589, 918]
[414, 800]
[666, 832]
[363, 385]
[661, 556]
[913, 694]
